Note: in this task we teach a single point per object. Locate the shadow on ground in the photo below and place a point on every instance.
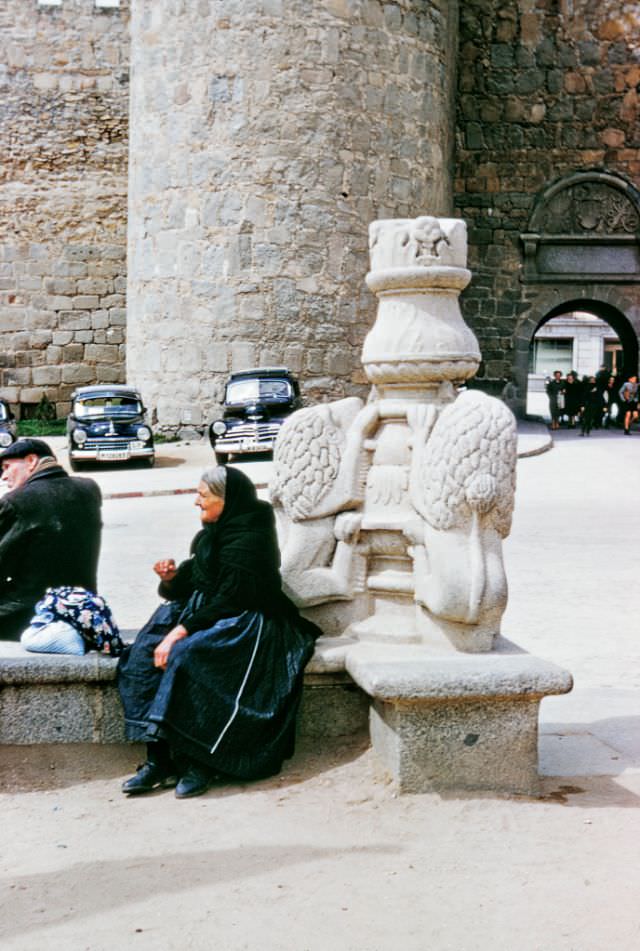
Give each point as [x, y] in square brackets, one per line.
[39, 768]
[168, 873]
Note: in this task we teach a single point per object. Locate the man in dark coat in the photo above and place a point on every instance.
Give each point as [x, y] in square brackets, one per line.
[50, 528]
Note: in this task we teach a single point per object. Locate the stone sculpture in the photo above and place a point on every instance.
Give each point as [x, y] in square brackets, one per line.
[318, 478]
[400, 506]
[392, 516]
[462, 485]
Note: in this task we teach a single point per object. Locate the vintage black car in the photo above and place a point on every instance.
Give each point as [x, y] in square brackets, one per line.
[7, 425]
[256, 403]
[107, 424]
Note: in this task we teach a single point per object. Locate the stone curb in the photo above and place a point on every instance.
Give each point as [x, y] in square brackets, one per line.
[538, 450]
[144, 494]
[544, 445]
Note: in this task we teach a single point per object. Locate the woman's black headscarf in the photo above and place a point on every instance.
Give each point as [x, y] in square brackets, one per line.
[245, 534]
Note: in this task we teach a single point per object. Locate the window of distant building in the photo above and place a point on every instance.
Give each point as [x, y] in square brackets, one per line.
[551, 355]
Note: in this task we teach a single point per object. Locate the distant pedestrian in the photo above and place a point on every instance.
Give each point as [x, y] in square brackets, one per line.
[573, 398]
[602, 378]
[629, 402]
[610, 408]
[555, 392]
[591, 410]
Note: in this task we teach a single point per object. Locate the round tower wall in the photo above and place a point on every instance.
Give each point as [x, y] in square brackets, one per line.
[63, 199]
[265, 136]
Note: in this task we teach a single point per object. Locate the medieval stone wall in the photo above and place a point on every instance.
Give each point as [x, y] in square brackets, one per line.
[63, 194]
[265, 136]
[544, 89]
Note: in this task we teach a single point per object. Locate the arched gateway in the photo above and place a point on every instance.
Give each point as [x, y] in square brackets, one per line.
[582, 253]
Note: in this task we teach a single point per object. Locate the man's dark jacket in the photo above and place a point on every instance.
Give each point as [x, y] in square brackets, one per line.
[50, 531]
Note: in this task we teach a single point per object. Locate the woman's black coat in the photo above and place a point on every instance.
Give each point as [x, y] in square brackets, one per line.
[229, 695]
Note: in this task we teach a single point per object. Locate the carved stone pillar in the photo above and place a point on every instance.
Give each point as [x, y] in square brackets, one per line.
[417, 350]
[391, 518]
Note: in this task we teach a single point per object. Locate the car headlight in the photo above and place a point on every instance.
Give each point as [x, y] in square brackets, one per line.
[79, 436]
[219, 428]
[5, 439]
[143, 433]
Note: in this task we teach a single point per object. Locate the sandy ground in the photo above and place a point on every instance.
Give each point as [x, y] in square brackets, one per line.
[326, 855]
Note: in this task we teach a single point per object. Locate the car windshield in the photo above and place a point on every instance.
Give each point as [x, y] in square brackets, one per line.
[245, 391]
[4, 412]
[107, 406]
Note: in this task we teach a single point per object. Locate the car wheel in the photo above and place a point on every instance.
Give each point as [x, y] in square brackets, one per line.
[148, 462]
[75, 465]
[222, 458]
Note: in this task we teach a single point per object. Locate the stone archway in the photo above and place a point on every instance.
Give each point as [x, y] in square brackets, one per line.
[618, 309]
[581, 253]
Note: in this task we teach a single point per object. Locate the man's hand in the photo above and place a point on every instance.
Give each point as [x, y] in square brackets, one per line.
[166, 569]
[162, 651]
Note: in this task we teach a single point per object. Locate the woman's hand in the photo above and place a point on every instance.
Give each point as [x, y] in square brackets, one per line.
[162, 651]
[166, 569]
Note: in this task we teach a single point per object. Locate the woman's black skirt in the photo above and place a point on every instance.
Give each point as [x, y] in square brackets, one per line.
[229, 695]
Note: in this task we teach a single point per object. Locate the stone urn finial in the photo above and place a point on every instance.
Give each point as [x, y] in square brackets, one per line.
[417, 271]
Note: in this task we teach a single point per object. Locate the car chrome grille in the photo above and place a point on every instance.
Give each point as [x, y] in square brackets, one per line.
[263, 432]
[104, 444]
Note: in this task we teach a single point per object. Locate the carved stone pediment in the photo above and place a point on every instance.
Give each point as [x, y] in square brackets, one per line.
[584, 228]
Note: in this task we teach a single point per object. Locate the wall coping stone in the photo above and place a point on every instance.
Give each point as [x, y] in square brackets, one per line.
[414, 674]
[19, 666]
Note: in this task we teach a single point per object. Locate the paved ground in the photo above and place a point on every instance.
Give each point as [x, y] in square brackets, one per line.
[325, 855]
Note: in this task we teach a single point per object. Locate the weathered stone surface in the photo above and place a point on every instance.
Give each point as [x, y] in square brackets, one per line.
[246, 176]
[269, 180]
[457, 722]
[391, 517]
[55, 698]
[564, 111]
[63, 184]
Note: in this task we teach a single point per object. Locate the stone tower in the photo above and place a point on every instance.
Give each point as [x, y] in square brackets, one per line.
[265, 136]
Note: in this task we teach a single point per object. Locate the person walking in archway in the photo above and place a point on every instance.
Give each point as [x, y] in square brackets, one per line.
[610, 403]
[555, 392]
[629, 403]
[591, 410]
[573, 398]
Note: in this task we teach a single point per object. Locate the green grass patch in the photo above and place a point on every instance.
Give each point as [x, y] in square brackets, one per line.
[42, 427]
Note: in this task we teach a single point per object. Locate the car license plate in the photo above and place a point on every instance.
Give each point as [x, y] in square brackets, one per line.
[113, 455]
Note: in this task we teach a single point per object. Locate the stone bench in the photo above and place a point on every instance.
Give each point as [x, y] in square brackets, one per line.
[60, 698]
[456, 721]
[451, 722]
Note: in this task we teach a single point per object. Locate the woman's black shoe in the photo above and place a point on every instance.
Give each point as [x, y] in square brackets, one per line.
[149, 777]
[195, 782]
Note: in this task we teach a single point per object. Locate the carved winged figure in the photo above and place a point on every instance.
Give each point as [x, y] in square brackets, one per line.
[317, 486]
[462, 484]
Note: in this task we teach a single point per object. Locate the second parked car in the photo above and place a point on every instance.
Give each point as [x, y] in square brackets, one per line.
[256, 403]
[107, 424]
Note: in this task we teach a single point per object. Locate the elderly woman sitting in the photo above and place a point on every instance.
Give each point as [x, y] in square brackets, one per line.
[214, 679]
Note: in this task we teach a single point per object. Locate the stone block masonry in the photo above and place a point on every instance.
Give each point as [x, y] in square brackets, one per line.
[63, 198]
[264, 139]
[544, 90]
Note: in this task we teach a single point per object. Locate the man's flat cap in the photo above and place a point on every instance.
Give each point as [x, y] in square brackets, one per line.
[27, 447]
